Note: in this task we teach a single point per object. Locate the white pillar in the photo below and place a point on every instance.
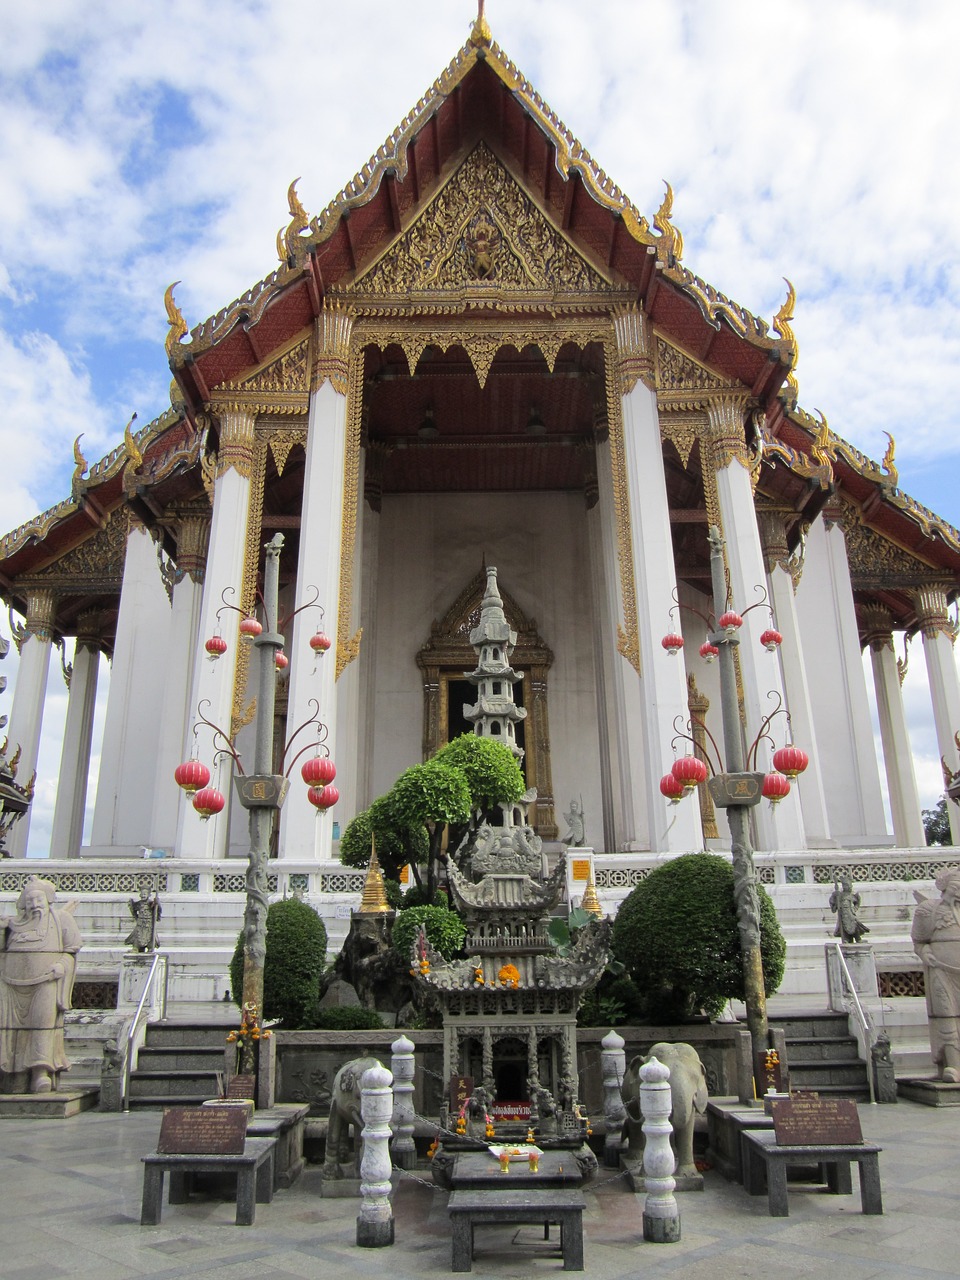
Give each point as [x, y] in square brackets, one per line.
[838, 691]
[67, 834]
[908, 829]
[319, 570]
[783, 574]
[176, 722]
[780, 828]
[642, 507]
[128, 757]
[26, 714]
[938, 637]
[213, 682]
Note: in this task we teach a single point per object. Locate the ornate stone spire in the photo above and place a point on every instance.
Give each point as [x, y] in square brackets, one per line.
[374, 898]
[495, 713]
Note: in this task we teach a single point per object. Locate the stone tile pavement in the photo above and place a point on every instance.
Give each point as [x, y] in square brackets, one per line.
[70, 1207]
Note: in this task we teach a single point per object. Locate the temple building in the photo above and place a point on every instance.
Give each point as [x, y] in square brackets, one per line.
[480, 353]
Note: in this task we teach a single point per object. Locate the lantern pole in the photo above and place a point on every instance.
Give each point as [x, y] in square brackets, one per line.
[262, 793]
[726, 789]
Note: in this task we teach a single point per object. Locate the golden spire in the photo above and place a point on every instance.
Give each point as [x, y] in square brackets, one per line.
[481, 33]
[178, 326]
[134, 456]
[892, 477]
[671, 241]
[374, 898]
[590, 902]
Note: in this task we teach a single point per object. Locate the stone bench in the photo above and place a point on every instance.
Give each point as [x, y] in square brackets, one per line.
[765, 1169]
[253, 1167]
[285, 1123]
[471, 1209]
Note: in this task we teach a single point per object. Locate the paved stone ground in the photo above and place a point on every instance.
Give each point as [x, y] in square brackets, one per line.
[70, 1207]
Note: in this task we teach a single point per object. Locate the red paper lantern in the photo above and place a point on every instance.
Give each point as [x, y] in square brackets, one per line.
[708, 651]
[689, 771]
[208, 802]
[250, 627]
[672, 788]
[216, 646]
[318, 771]
[672, 643]
[730, 621]
[281, 660]
[319, 642]
[790, 760]
[323, 798]
[191, 776]
[771, 639]
[775, 787]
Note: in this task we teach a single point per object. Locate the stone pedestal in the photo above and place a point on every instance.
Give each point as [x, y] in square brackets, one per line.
[862, 965]
[134, 971]
[613, 1064]
[402, 1063]
[375, 1222]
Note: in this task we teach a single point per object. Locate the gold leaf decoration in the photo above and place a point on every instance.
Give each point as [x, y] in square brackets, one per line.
[670, 244]
[348, 652]
[178, 326]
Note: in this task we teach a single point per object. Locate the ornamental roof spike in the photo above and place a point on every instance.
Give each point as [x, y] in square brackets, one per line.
[493, 625]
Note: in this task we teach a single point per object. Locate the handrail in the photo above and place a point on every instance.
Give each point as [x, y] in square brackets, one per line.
[134, 1024]
[863, 1018]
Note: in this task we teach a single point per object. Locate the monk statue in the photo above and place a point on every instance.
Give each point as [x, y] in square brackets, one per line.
[38, 960]
[936, 940]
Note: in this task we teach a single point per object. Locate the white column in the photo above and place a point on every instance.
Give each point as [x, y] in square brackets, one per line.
[176, 722]
[782, 827]
[67, 834]
[782, 577]
[26, 714]
[644, 509]
[838, 691]
[908, 829]
[128, 757]
[938, 638]
[319, 569]
[213, 682]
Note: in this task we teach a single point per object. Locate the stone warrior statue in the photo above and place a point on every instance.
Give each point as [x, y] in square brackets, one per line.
[146, 911]
[936, 939]
[850, 929]
[38, 960]
[576, 836]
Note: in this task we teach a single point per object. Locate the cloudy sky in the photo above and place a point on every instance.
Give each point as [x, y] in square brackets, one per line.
[146, 143]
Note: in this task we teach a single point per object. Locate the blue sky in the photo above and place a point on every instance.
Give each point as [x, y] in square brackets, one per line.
[141, 144]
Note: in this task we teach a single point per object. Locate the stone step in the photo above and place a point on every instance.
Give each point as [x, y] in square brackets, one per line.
[839, 1074]
[206, 1034]
[813, 1049]
[180, 1058]
[174, 1084]
[158, 1102]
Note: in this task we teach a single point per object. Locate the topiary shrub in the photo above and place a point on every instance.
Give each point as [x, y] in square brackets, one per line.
[296, 950]
[350, 1017]
[445, 930]
[677, 937]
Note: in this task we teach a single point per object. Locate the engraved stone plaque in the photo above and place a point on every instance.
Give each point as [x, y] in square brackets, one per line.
[202, 1131]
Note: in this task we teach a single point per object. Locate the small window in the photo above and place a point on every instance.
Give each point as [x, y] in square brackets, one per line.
[497, 688]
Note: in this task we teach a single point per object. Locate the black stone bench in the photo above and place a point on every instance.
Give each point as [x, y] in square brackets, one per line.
[765, 1169]
[472, 1209]
[253, 1167]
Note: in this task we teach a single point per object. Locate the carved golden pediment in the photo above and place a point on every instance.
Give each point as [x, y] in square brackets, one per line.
[681, 377]
[875, 559]
[93, 565]
[281, 386]
[481, 233]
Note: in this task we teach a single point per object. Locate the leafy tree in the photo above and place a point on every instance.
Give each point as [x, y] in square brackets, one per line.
[398, 843]
[936, 823]
[296, 950]
[677, 936]
[445, 930]
[349, 1017]
[431, 795]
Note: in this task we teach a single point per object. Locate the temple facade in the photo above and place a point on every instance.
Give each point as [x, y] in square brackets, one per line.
[481, 353]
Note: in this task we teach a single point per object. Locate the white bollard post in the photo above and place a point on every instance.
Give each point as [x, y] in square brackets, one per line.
[402, 1064]
[661, 1217]
[375, 1223]
[613, 1064]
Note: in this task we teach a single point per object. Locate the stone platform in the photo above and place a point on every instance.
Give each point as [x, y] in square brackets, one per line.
[58, 1105]
[930, 1092]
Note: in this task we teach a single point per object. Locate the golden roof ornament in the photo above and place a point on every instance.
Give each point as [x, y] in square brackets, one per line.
[892, 475]
[671, 241]
[590, 902]
[373, 901]
[288, 237]
[481, 33]
[132, 449]
[80, 467]
[178, 326]
[781, 326]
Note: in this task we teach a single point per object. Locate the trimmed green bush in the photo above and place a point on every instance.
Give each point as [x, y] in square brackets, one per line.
[350, 1017]
[296, 951]
[445, 930]
[677, 937]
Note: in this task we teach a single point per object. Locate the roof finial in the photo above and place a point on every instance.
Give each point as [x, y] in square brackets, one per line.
[481, 28]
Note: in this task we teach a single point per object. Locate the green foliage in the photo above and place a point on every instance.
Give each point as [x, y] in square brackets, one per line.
[491, 771]
[350, 1017]
[445, 930]
[936, 823]
[431, 793]
[397, 843]
[677, 937]
[561, 932]
[416, 896]
[296, 949]
[394, 893]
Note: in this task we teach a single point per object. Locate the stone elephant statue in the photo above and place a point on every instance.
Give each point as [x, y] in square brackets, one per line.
[688, 1093]
[344, 1112]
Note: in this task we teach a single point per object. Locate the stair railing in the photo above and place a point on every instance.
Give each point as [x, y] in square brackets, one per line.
[134, 1027]
[867, 1032]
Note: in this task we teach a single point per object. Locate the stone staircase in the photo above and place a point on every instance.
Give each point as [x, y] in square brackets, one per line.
[180, 1062]
[823, 1055]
